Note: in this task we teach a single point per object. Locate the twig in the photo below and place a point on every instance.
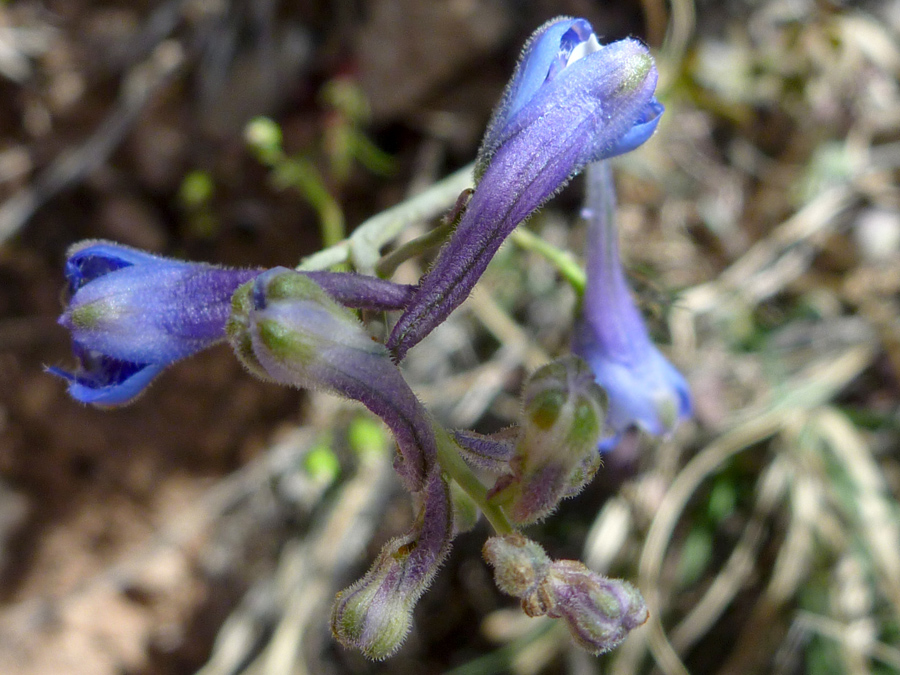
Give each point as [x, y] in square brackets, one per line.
[363, 247]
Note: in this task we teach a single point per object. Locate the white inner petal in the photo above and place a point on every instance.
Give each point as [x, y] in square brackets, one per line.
[589, 46]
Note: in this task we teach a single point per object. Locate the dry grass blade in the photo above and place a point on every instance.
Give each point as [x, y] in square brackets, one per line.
[608, 534]
[305, 582]
[813, 387]
[807, 622]
[769, 265]
[790, 570]
[741, 564]
[876, 512]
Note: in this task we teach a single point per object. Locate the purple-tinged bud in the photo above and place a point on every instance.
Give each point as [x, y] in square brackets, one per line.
[570, 103]
[520, 565]
[644, 389]
[556, 453]
[285, 327]
[599, 612]
[374, 615]
[554, 47]
[131, 314]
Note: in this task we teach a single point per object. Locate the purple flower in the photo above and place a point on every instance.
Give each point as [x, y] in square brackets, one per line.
[599, 612]
[570, 102]
[644, 389]
[285, 327]
[132, 313]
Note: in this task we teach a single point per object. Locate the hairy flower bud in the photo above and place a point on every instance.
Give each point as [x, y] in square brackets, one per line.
[374, 615]
[570, 102]
[286, 328]
[599, 612]
[556, 453]
[520, 565]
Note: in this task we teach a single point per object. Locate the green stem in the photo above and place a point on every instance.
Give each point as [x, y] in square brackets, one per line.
[363, 247]
[300, 173]
[455, 467]
[560, 259]
[389, 263]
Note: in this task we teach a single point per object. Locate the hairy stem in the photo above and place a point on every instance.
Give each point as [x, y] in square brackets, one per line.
[456, 468]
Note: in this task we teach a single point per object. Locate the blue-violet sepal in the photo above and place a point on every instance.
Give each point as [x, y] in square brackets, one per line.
[644, 389]
[571, 102]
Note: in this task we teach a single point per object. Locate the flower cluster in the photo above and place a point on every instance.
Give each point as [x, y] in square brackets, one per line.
[572, 103]
[599, 612]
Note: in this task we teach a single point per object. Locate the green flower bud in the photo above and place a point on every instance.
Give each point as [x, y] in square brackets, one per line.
[556, 453]
[520, 565]
[374, 615]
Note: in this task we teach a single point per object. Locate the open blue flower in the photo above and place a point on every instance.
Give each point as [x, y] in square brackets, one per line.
[133, 313]
[570, 102]
[644, 389]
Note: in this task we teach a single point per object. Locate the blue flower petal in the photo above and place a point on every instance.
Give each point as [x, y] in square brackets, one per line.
[92, 259]
[642, 130]
[578, 117]
[644, 389]
[109, 382]
[547, 53]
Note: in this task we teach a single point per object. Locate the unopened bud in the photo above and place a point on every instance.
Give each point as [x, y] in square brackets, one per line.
[374, 614]
[556, 454]
[520, 564]
[286, 327]
[599, 612]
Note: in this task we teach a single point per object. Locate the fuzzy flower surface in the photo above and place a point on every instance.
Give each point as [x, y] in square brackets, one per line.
[285, 327]
[644, 389]
[570, 102]
[598, 611]
[556, 454]
[131, 314]
[374, 614]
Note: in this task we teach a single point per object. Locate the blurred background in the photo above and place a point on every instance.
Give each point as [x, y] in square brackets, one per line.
[206, 527]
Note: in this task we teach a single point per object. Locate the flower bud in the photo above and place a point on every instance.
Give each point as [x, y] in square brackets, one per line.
[556, 453]
[570, 102]
[374, 615]
[520, 565]
[287, 328]
[599, 612]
